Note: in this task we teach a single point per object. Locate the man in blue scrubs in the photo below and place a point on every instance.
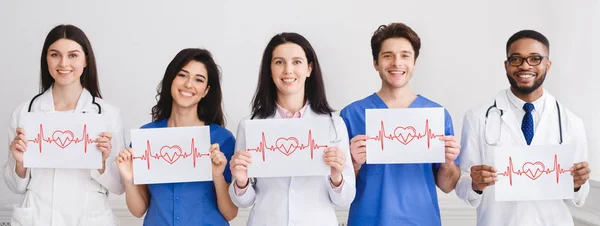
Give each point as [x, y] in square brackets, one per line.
[397, 194]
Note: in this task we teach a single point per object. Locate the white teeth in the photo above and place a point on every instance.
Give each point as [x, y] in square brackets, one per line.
[398, 72]
[186, 94]
[525, 76]
[64, 72]
[289, 79]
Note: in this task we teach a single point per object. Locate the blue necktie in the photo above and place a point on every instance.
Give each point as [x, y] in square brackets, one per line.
[527, 126]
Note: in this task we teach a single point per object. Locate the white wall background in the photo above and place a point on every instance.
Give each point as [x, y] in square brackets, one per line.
[460, 66]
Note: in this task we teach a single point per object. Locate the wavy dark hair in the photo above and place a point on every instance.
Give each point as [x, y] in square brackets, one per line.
[89, 77]
[210, 109]
[265, 98]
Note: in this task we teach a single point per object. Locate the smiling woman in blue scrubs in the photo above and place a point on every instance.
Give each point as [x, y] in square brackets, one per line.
[189, 95]
[397, 194]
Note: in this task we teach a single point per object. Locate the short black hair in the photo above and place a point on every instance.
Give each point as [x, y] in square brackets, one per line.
[528, 34]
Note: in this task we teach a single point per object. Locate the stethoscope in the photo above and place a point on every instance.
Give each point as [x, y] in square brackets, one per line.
[93, 102]
[501, 113]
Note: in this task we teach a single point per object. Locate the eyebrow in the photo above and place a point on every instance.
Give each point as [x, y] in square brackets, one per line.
[403, 51]
[196, 74]
[293, 58]
[72, 51]
[530, 54]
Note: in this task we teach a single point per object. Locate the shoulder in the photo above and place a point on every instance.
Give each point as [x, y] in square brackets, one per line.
[156, 124]
[220, 131]
[356, 107]
[108, 108]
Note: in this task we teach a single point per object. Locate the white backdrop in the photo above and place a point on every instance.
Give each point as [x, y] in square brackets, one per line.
[460, 66]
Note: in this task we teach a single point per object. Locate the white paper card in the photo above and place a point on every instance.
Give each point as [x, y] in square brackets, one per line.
[288, 147]
[534, 172]
[405, 135]
[63, 140]
[171, 155]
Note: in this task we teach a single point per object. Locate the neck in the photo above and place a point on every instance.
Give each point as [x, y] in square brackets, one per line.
[531, 97]
[291, 102]
[184, 117]
[397, 97]
[66, 97]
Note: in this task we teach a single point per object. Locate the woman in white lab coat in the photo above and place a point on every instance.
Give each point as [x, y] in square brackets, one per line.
[290, 85]
[65, 197]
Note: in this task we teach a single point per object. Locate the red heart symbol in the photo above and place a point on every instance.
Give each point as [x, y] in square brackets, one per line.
[405, 134]
[287, 146]
[533, 170]
[62, 138]
[170, 153]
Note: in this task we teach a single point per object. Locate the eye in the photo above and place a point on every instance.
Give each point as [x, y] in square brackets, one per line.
[181, 75]
[53, 54]
[297, 62]
[405, 56]
[72, 55]
[278, 62]
[200, 80]
[386, 56]
[514, 59]
[535, 58]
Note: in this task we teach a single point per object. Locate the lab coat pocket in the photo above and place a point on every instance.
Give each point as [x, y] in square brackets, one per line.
[100, 218]
[22, 216]
[99, 212]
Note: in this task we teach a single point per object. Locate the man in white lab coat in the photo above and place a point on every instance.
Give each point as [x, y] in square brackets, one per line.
[526, 114]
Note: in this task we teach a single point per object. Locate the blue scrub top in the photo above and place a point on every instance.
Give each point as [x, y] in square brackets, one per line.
[393, 194]
[190, 203]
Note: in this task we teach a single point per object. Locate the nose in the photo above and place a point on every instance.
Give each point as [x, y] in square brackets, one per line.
[188, 83]
[397, 60]
[64, 61]
[288, 69]
[525, 65]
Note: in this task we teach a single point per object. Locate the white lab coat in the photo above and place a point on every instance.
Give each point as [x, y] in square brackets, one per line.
[65, 197]
[299, 201]
[475, 151]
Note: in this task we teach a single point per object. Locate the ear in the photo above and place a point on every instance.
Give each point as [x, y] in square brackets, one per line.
[85, 62]
[506, 65]
[206, 91]
[375, 64]
[310, 67]
[548, 65]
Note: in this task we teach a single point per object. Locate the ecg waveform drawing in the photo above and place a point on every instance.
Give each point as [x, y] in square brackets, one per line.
[405, 135]
[171, 154]
[287, 146]
[533, 170]
[63, 138]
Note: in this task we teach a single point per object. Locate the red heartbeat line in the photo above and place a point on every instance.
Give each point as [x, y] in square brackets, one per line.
[170, 154]
[287, 146]
[533, 170]
[405, 135]
[63, 138]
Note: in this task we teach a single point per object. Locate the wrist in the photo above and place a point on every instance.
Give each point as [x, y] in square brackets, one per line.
[475, 189]
[218, 177]
[241, 185]
[336, 180]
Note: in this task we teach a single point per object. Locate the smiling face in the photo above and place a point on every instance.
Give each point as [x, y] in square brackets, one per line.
[525, 78]
[190, 85]
[396, 62]
[290, 69]
[66, 62]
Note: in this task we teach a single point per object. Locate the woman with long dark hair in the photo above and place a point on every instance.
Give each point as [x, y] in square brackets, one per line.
[290, 85]
[189, 95]
[65, 197]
